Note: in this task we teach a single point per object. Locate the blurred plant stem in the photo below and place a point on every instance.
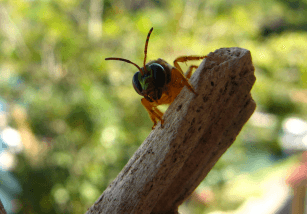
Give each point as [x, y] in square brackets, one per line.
[34, 151]
[95, 19]
[298, 203]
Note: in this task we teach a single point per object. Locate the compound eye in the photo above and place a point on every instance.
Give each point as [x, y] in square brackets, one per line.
[136, 84]
[158, 74]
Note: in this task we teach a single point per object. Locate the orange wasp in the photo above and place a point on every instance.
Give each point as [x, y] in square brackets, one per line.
[159, 82]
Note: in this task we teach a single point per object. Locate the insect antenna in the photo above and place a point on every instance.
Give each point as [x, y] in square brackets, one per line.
[126, 60]
[145, 52]
[146, 45]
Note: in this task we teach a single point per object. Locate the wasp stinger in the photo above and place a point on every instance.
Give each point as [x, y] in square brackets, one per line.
[159, 82]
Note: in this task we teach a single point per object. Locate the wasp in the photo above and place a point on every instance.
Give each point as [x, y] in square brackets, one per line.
[159, 82]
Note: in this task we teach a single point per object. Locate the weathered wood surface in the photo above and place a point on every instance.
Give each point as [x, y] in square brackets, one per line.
[173, 160]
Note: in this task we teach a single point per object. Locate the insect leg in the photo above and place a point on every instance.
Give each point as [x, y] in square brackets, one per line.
[189, 71]
[154, 113]
[186, 58]
[179, 78]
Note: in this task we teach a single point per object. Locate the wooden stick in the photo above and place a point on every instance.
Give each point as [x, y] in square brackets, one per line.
[172, 161]
[2, 210]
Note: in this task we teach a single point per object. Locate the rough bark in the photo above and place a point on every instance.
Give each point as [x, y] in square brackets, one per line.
[173, 160]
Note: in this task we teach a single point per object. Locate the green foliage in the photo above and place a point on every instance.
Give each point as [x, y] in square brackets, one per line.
[85, 110]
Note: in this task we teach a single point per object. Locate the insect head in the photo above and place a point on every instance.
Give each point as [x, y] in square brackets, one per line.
[149, 80]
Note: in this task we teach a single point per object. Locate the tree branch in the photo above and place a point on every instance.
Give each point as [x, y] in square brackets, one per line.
[172, 161]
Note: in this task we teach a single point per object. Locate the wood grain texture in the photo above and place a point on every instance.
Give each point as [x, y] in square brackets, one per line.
[173, 160]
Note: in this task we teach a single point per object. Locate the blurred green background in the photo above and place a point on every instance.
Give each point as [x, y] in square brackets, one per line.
[80, 119]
